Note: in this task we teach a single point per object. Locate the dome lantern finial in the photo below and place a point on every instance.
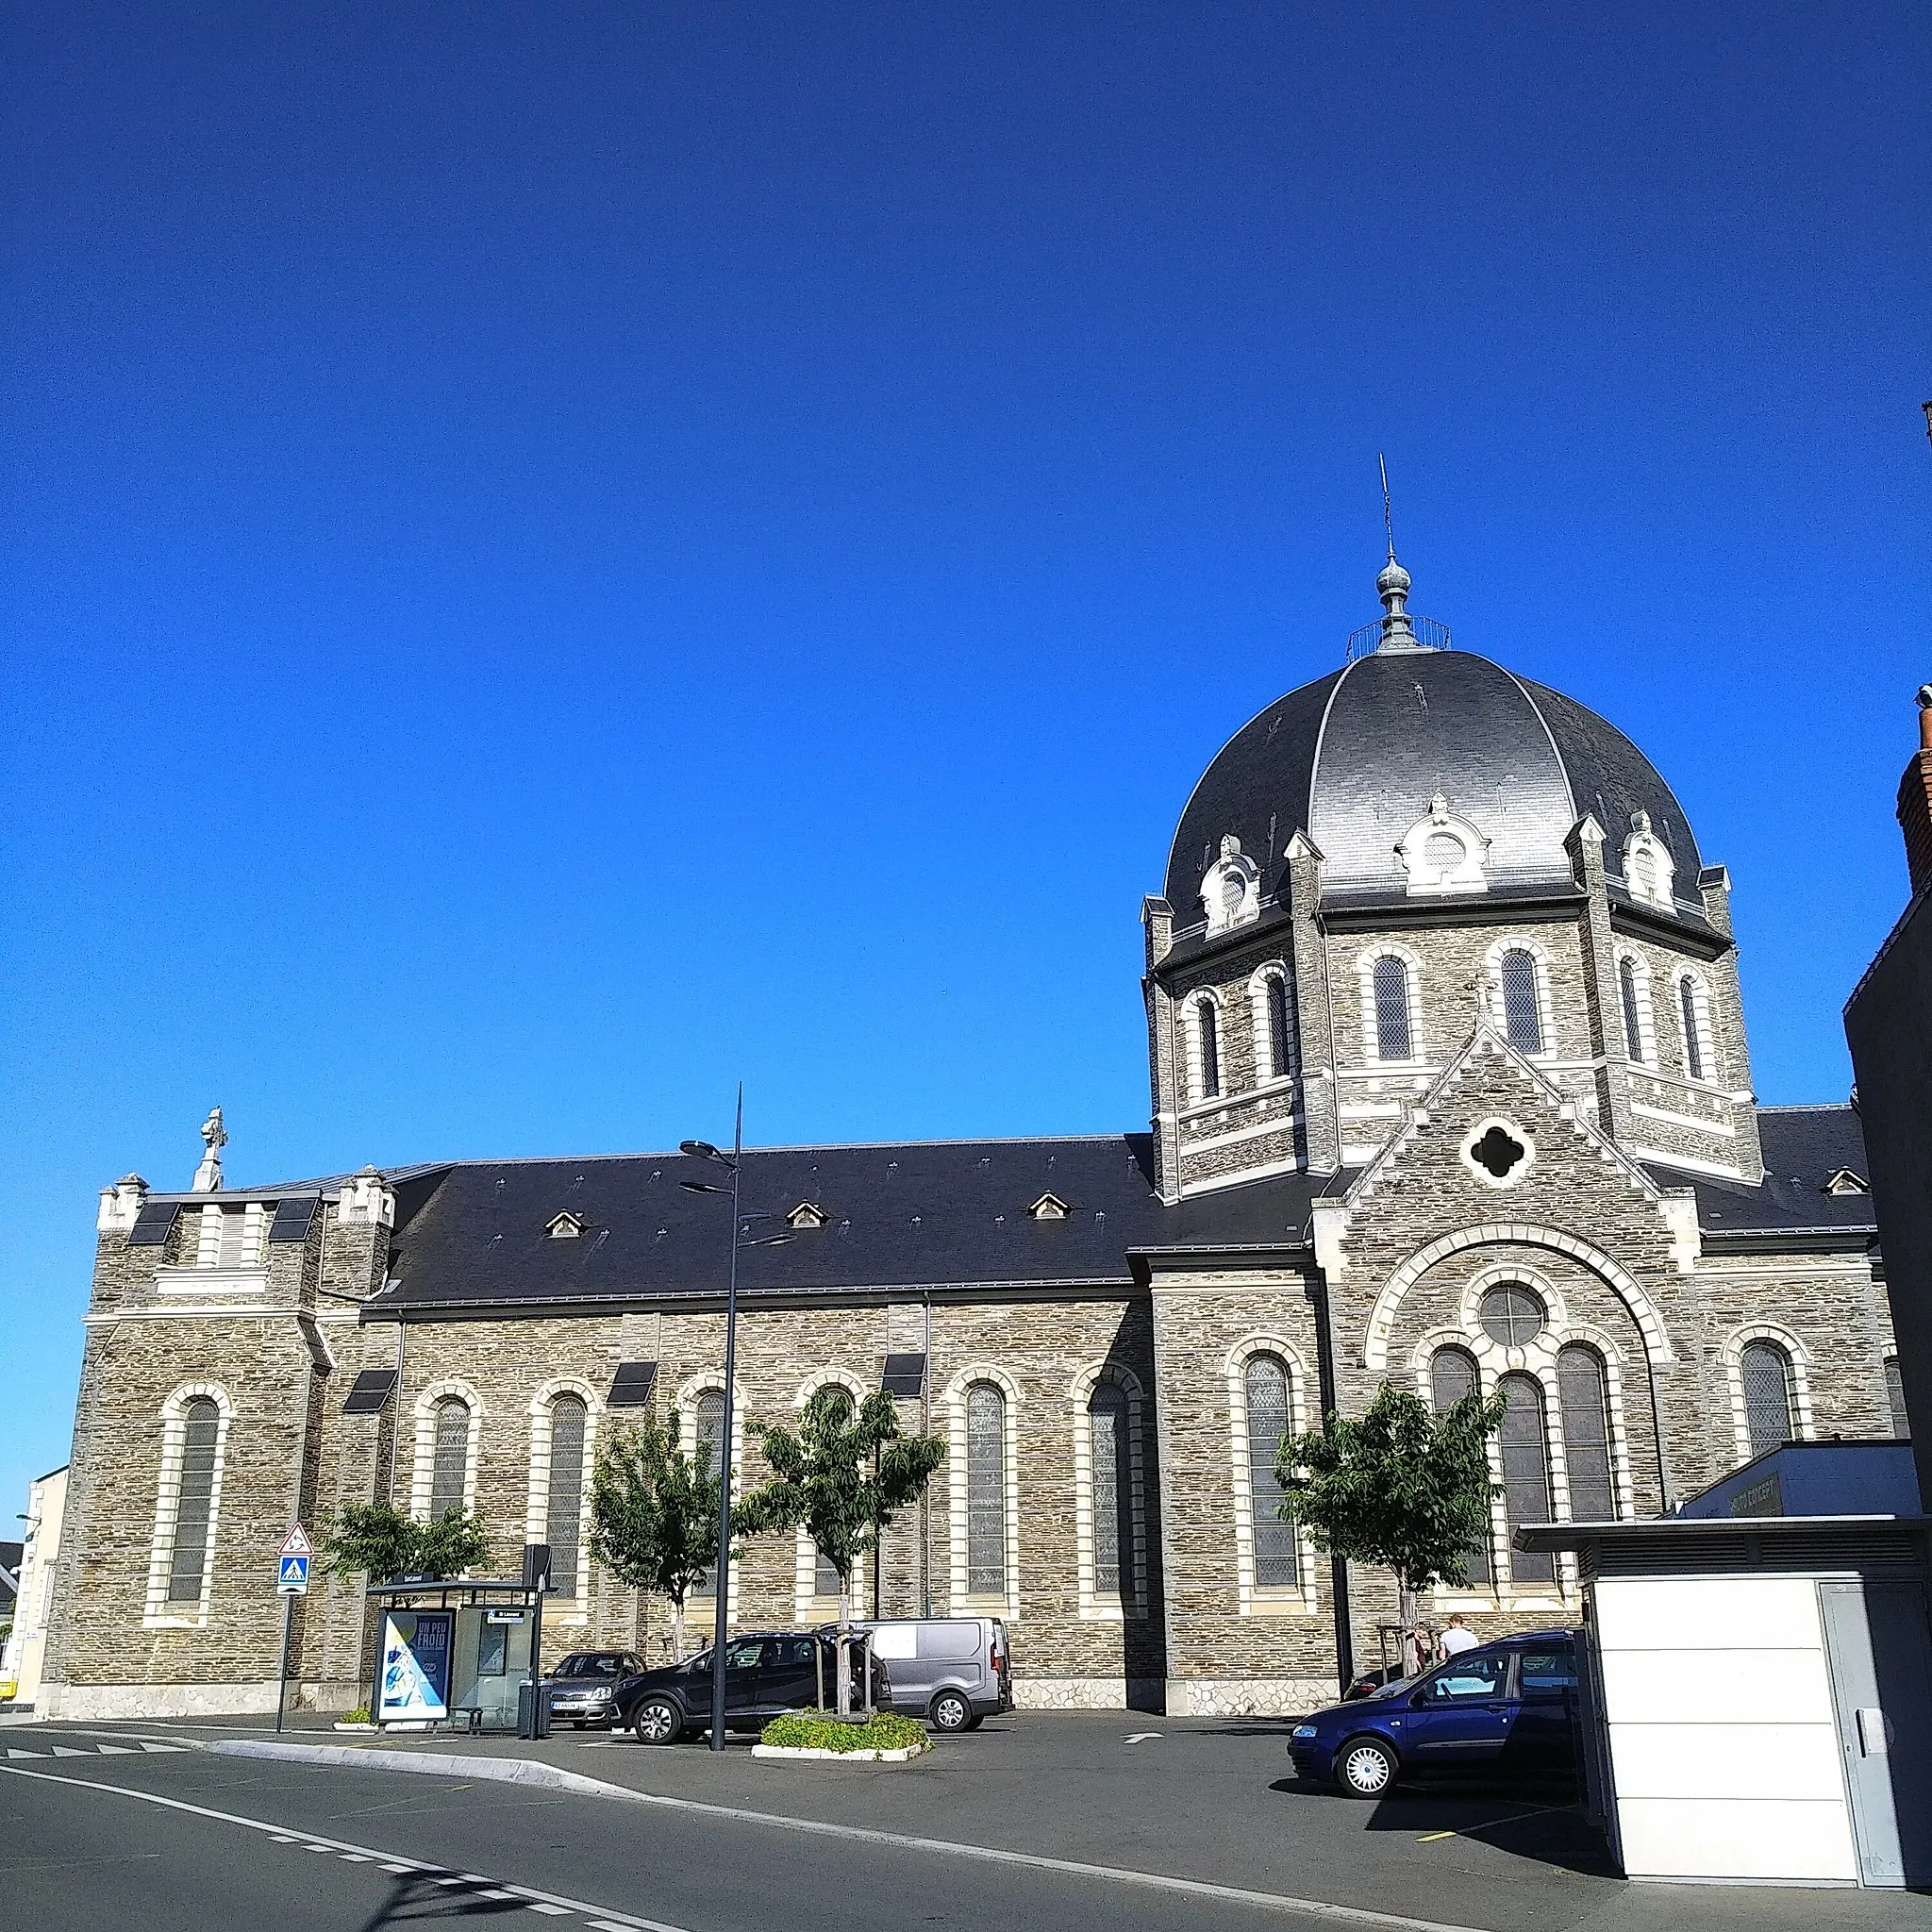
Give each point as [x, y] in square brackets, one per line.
[1391, 586]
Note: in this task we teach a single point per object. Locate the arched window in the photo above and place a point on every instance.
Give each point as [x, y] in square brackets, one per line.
[1766, 1372]
[1695, 1015]
[449, 1472]
[1394, 1040]
[1280, 1031]
[1113, 1516]
[1633, 1012]
[1523, 1019]
[708, 1442]
[201, 1419]
[1583, 1396]
[1207, 1045]
[986, 1491]
[1266, 1388]
[564, 1510]
[824, 1573]
[1453, 1375]
[1525, 1444]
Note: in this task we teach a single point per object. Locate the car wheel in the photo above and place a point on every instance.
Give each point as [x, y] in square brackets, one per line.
[1365, 1768]
[950, 1713]
[973, 1722]
[658, 1722]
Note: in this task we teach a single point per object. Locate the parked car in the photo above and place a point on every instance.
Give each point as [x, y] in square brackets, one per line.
[583, 1686]
[1503, 1708]
[953, 1672]
[765, 1673]
[1372, 1683]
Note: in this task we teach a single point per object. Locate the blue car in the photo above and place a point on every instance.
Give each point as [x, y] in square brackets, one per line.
[1498, 1709]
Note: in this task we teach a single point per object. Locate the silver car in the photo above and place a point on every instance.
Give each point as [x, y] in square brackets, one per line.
[582, 1684]
[953, 1672]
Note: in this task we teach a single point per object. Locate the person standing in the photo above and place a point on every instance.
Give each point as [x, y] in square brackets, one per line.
[1456, 1637]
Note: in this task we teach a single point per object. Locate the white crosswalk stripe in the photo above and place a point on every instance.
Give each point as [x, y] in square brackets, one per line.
[117, 1751]
[14, 1753]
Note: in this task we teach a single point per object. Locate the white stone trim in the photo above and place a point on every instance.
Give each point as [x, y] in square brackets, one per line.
[1517, 1132]
[1132, 1602]
[1428, 873]
[1192, 1060]
[1800, 1359]
[1643, 841]
[157, 1613]
[961, 1602]
[1712, 1075]
[1545, 1005]
[685, 1407]
[1253, 1599]
[254, 1215]
[1646, 1017]
[1233, 868]
[1263, 976]
[576, 1608]
[423, 1472]
[1365, 986]
[809, 1606]
[1520, 1234]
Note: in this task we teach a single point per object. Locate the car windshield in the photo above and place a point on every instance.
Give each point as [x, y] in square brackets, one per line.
[590, 1664]
[1392, 1689]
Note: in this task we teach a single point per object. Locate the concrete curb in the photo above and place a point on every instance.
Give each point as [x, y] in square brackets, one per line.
[505, 1770]
[903, 1755]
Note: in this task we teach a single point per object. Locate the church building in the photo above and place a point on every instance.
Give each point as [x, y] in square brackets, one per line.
[1450, 1087]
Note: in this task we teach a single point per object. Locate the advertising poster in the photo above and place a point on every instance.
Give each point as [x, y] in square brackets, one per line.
[415, 1666]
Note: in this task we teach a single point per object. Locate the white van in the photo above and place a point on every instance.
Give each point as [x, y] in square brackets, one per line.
[953, 1672]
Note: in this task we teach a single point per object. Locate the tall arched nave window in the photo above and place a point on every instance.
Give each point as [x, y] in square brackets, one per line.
[449, 1470]
[1265, 1387]
[1523, 1019]
[564, 1502]
[1766, 1373]
[1394, 1034]
[986, 1490]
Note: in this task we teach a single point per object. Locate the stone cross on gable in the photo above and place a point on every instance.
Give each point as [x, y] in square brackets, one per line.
[215, 1137]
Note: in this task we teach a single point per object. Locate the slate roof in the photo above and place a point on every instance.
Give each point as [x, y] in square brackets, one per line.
[1803, 1146]
[906, 1215]
[1353, 758]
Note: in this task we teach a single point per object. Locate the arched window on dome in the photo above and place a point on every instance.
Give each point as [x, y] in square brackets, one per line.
[1394, 1031]
[1693, 1015]
[1633, 993]
[1202, 1046]
[1453, 1375]
[1273, 1017]
[1523, 1019]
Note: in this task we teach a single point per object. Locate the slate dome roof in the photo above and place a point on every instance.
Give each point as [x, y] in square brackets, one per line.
[1354, 759]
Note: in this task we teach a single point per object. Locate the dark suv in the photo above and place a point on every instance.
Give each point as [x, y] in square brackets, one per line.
[583, 1685]
[1499, 1708]
[765, 1674]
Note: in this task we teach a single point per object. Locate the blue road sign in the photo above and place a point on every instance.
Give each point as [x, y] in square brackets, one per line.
[294, 1580]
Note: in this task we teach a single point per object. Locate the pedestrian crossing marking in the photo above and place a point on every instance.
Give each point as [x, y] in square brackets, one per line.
[146, 1746]
[538, 1905]
[61, 1751]
[25, 1754]
[117, 1751]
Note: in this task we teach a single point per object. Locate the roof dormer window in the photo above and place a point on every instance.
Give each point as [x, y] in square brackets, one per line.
[1231, 890]
[1444, 853]
[565, 1228]
[1844, 1181]
[1049, 1207]
[1648, 869]
[807, 1214]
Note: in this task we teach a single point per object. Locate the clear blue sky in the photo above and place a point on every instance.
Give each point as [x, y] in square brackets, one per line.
[558, 556]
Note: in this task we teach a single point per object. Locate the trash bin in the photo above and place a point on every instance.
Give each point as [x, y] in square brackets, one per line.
[533, 1709]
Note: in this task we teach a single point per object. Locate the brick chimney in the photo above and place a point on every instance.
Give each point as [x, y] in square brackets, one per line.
[1915, 800]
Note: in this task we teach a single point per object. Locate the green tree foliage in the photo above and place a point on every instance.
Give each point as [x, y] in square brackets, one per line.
[653, 1517]
[1399, 1486]
[382, 1543]
[843, 1476]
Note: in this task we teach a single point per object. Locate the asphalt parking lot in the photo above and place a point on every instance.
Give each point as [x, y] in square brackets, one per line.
[1209, 1800]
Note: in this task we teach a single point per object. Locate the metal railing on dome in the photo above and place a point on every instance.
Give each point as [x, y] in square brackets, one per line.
[1430, 635]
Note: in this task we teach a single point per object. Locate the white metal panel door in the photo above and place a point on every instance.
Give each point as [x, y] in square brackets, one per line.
[1879, 1642]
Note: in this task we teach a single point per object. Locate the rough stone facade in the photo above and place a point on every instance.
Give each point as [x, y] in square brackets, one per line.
[1309, 1200]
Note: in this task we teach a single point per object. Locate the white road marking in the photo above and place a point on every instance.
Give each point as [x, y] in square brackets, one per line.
[352, 1857]
[61, 1751]
[610, 1921]
[11, 1753]
[1142, 1737]
[538, 1905]
[116, 1751]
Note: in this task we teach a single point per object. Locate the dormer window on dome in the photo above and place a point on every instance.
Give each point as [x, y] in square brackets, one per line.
[1049, 1207]
[1444, 853]
[1648, 868]
[807, 1214]
[1844, 1181]
[565, 1228]
[1231, 890]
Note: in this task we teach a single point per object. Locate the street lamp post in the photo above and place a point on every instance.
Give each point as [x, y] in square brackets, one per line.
[702, 1150]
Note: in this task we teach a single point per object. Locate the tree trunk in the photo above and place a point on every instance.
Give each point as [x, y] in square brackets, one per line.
[678, 1630]
[1410, 1652]
[844, 1690]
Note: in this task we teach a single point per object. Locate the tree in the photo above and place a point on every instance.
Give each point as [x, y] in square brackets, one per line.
[653, 1517]
[1399, 1486]
[843, 1476]
[382, 1542]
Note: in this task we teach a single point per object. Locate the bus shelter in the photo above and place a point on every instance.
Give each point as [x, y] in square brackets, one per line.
[455, 1653]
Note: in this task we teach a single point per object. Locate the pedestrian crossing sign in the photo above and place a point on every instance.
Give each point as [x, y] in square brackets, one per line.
[294, 1580]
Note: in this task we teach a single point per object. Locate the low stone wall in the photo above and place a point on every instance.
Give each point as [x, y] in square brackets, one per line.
[99, 1703]
[1248, 1697]
[1087, 1694]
